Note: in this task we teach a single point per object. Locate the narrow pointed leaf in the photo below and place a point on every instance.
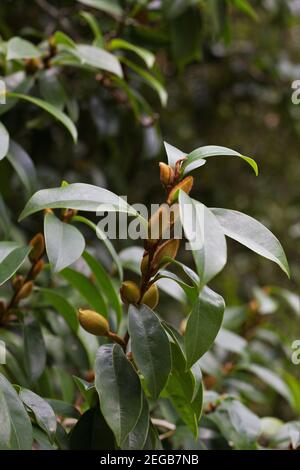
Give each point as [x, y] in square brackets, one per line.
[214, 151]
[206, 237]
[203, 324]
[146, 55]
[23, 166]
[119, 389]
[21, 429]
[150, 348]
[18, 48]
[99, 58]
[49, 108]
[11, 263]
[253, 235]
[80, 196]
[4, 141]
[42, 411]
[63, 307]
[64, 243]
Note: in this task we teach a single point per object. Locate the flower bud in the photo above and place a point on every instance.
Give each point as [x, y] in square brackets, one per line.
[151, 297]
[2, 307]
[17, 282]
[93, 322]
[37, 268]
[158, 224]
[38, 244]
[145, 263]
[185, 185]
[166, 174]
[24, 292]
[130, 292]
[167, 249]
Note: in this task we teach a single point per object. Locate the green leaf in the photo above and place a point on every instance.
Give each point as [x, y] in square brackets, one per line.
[12, 261]
[64, 40]
[43, 413]
[203, 325]
[63, 307]
[245, 7]
[52, 90]
[4, 141]
[214, 151]
[18, 48]
[271, 379]
[21, 429]
[173, 154]
[64, 243]
[91, 432]
[34, 348]
[86, 389]
[4, 219]
[186, 37]
[23, 166]
[102, 236]
[105, 284]
[111, 7]
[94, 25]
[80, 196]
[137, 437]
[206, 237]
[253, 235]
[185, 397]
[119, 389]
[152, 81]
[5, 428]
[49, 108]
[146, 55]
[150, 348]
[61, 408]
[87, 290]
[94, 56]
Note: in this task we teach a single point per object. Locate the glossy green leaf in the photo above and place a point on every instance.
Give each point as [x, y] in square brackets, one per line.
[18, 48]
[99, 58]
[252, 234]
[214, 151]
[87, 290]
[4, 141]
[21, 429]
[64, 243]
[23, 166]
[91, 432]
[63, 39]
[61, 408]
[137, 437]
[49, 108]
[52, 90]
[107, 243]
[5, 427]
[119, 389]
[203, 325]
[34, 348]
[205, 235]
[105, 284]
[63, 307]
[271, 379]
[111, 7]
[12, 261]
[150, 347]
[94, 25]
[43, 413]
[146, 55]
[80, 196]
[152, 81]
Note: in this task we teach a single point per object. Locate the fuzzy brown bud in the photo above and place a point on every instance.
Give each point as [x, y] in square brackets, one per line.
[158, 224]
[145, 263]
[93, 322]
[166, 174]
[130, 292]
[24, 292]
[17, 282]
[38, 247]
[167, 249]
[185, 185]
[37, 268]
[151, 297]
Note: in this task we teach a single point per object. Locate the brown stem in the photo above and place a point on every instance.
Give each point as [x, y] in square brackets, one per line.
[117, 339]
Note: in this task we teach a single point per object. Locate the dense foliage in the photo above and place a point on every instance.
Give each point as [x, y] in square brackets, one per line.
[113, 344]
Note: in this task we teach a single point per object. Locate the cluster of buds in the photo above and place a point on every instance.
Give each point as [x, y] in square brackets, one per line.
[132, 294]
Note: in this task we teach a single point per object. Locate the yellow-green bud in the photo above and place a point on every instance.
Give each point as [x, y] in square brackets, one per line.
[130, 292]
[151, 297]
[93, 322]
